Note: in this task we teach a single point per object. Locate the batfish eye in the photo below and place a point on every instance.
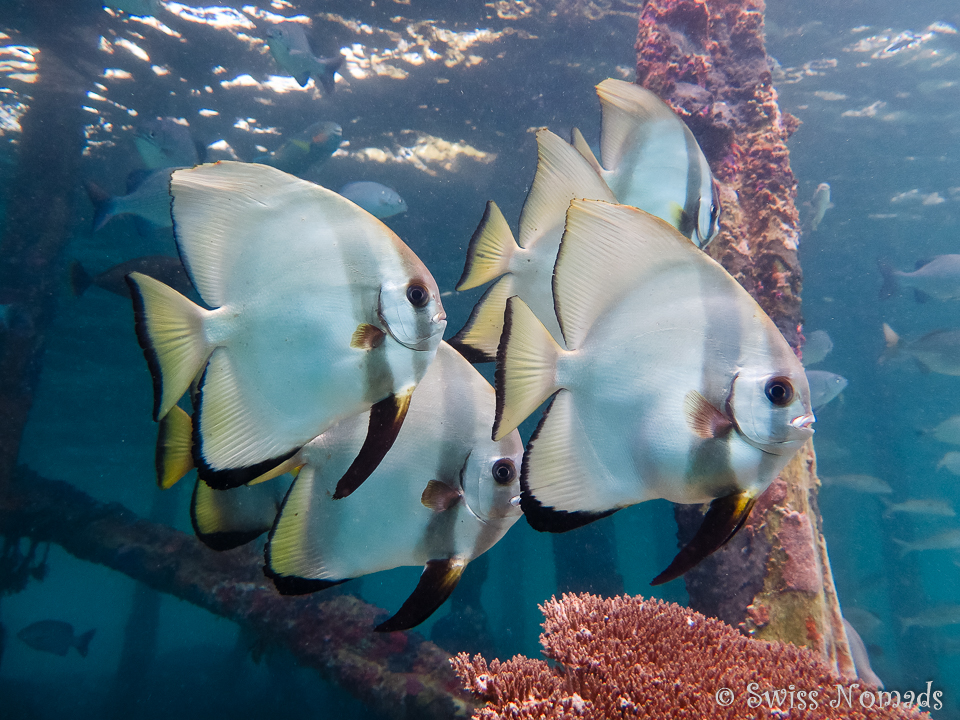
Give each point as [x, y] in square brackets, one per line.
[504, 471]
[418, 295]
[779, 391]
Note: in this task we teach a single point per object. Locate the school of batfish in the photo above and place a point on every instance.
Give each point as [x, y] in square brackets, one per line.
[327, 411]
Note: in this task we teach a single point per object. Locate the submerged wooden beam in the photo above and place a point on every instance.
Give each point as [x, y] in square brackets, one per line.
[400, 675]
[707, 59]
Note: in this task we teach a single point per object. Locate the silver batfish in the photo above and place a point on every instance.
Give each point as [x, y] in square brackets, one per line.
[674, 383]
[651, 160]
[320, 313]
[445, 494]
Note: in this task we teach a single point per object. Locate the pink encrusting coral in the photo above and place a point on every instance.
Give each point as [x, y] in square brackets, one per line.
[630, 657]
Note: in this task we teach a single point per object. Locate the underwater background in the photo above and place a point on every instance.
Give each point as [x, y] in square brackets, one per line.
[439, 101]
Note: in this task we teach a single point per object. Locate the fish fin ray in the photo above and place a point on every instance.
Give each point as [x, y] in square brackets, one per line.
[173, 457]
[526, 367]
[562, 175]
[367, 337]
[438, 496]
[704, 419]
[490, 250]
[215, 527]
[386, 419]
[479, 338]
[581, 145]
[625, 109]
[170, 331]
[724, 518]
[437, 581]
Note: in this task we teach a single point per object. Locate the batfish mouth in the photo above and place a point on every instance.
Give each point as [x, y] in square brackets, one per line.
[803, 422]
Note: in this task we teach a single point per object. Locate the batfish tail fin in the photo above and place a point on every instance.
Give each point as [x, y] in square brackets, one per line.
[103, 204]
[478, 340]
[437, 581]
[170, 330]
[80, 279]
[174, 453]
[890, 285]
[83, 642]
[490, 250]
[526, 367]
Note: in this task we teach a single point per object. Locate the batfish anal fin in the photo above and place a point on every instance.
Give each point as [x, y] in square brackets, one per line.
[367, 337]
[209, 524]
[174, 456]
[438, 496]
[704, 419]
[722, 521]
[438, 580]
[479, 339]
[490, 249]
[386, 418]
[286, 585]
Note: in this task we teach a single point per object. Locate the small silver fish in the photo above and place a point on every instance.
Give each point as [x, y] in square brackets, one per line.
[937, 351]
[378, 200]
[861, 660]
[860, 483]
[946, 540]
[816, 347]
[938, 278]
[289, 46]
[165, 143]
[935, 617]
[919, 506]
[56, 637]
[948, 431]
[863, 620]
[818, 206]
[147, 198]
[824, 387]
[950, 461]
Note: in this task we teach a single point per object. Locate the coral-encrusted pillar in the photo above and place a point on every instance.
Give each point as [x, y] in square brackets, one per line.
[707, 59]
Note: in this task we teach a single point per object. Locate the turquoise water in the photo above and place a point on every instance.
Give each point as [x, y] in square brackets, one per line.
[450, 128]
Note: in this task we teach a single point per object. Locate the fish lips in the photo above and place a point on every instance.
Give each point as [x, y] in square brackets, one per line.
[796, 431]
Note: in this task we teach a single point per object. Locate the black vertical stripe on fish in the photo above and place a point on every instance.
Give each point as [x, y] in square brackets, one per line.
[386, 418]
[691, 204]
[438, 580]
[722, 521]
[219, 541]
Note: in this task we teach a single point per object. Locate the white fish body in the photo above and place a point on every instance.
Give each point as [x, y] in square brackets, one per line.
[919, 506]
[526, 269]
[939, 278]
[651, 160]
[824, 387]
[378, 200]
[950, 461]
[946, 540]
[664, 390]
[948, 431]
[861, 660]
[819, 205]
[860, 483]
[320, 311]
[443, 457]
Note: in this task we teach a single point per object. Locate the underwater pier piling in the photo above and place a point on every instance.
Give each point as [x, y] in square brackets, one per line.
[399, 675]
[707, 59]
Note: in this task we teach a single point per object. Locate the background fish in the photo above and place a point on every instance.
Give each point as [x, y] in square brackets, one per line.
[653, 397]
[55, 636]
[824, 387]
[320, 313]
[946, 540]
[919, 506]
[147, 198]
[166, 143]
[937, 351]
[935, 617]
[950, 461]
[818, 206]
[164, 268]
[948, 431]
[444, 494]
[313, 145]
[860, 483]
[288, 45]
[861, 660]
[816, 347]
[378, 200]
[938, 278]
[650, 160]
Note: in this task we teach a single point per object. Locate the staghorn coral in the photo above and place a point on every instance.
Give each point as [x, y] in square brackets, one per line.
[630, 657]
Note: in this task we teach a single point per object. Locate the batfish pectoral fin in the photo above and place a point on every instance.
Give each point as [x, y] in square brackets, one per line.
[703, 417]
[722, 521]
[367, 337]
[438, 496]
[479, 339]
[438, 580]
[174, 457]
[386, 418]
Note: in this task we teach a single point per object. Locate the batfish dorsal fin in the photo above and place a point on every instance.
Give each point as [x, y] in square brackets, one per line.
[626, 108]
[561, 488]
[562, 175]
[606, 250]
[438, 580]
[490, 250]
[438, 496]
[722, 521]
[174, 456]
[478, 340]
[386, 418]
[704, 419]
[580, 143]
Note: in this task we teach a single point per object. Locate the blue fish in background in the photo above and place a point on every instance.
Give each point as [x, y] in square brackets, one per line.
[308, 147]
[289, 47]
[378, 200]
[164, 143]
[56, 636]
[147, 198]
